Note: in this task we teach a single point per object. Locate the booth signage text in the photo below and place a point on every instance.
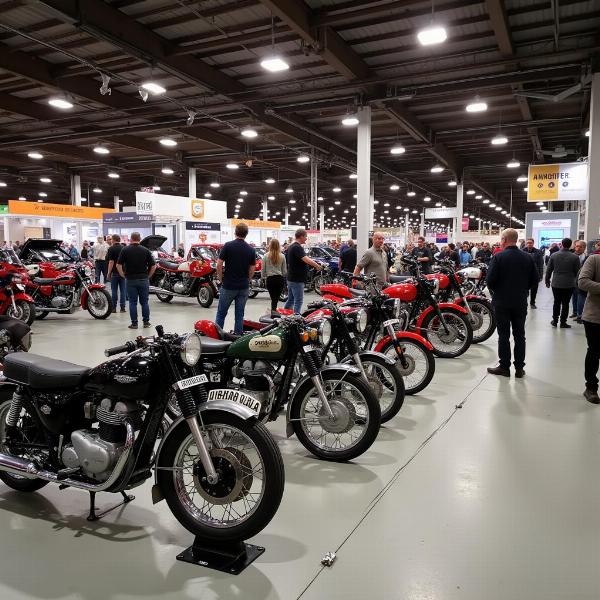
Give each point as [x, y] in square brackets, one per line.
[562, 182]
[19, 207]
[255, 223]
[196, 226]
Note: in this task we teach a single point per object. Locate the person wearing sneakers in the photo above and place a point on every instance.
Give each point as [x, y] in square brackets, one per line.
[137, 265]
[562, 270]
[117, 283]
[510, 276]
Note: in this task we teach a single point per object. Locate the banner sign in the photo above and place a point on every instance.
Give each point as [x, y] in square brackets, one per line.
[440, 213]
[560, 182]
[126, 217]
[465, 223]
[39, 209]
[441, 238]
[195, 226]
[255, 223]
[144, 206]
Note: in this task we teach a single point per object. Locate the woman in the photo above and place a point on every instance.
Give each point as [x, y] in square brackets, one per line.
[85, 250]
[275, 271]
[465, 255]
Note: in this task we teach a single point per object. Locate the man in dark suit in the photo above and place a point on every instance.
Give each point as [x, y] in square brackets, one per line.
[510, 276]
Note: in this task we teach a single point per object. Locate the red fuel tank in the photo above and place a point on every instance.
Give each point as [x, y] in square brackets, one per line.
[443, 279]
[406, 292]
[336, 289]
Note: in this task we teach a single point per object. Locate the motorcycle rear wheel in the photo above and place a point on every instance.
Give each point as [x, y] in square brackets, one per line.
[163, 297]
[448, 345]
[486, 320]
[205, 296]
[247, 497]
[354, 406]
[421, 364]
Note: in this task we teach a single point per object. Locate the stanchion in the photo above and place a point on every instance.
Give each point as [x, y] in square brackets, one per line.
[231, 557]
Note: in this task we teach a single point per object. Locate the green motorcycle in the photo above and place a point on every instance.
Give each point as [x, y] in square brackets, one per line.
[331, 409]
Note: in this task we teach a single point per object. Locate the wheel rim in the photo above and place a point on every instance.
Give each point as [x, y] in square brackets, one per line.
[333, 436]
[203, 294]
[417, 367]
[242, 484]
[382, 383]
[451, 341]
[484, 319]
[97, 303]
[16, 311]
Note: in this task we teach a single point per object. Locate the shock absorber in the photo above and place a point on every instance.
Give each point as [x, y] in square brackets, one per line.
[16, 405]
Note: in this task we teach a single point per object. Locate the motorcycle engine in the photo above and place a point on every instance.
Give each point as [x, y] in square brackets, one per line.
[62, 298]
[259, 385]
[180, 287]
[96, 451]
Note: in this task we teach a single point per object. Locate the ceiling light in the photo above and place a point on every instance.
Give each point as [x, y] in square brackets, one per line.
[167, 171]
[470, 192]
[154, 88]
[269, 180]
[452, 183]
[438, 203]
[414, 211]
[386, 204]
[43, 194]
[115, 175]
[525, 189]
[478, 196]
[303, 158]
[350, 120]
[97, 190]
[45, 180]
[437, 168]
[397, 149]
[432, 34]
[498, 208]
[486, 201]
[215, 184]
[96, 203]
[101, 150]
[353, 176]
[156, 188]
[337, 202]
[522, 178]
[406, 210]
[207, 195]
[249, 133]
[427, 199]
[274, 64]
[587, 133]
[513, 163]
[40, 200]
[169, 142]
[465, 214]
[499, 140]
[492, 206]
[22, 198]
[503, 212]
[35, 155]
[243, 193]
[337, 189]
[232, 166]
[539, 204]
[292, 201]
[398, 207]
[411, 193]
[61, 103]
[477, 106]
[270, 197]
[394, 187]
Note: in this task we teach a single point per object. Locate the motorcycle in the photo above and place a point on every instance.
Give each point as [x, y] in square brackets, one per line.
[14, 301]
[45, 258]
[217, 466]
[331, 409]
[376, 327]
[473, 278]
[189, 278]
[69, 290]
[15, 336]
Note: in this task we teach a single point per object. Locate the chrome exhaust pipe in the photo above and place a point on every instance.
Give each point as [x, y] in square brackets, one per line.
[24, 468]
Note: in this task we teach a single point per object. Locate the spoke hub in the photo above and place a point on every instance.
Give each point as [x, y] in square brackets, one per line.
[232, 483]
[410, 365]
[344, 416]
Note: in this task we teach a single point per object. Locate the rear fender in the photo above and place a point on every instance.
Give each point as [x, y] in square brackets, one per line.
[400, 335]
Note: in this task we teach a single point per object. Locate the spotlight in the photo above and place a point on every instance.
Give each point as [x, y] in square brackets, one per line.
[104, 89]
[249, 133]
[191, 116]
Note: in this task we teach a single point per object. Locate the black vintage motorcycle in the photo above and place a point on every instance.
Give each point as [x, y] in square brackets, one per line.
[96, 429]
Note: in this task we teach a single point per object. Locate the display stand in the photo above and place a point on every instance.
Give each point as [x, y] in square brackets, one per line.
[230, 558]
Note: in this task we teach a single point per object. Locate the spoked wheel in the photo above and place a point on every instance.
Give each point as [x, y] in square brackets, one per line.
[419, 364]
[450, 341]
[22, 310]
[166, 298]
[205, 296]
[250, 485]
[387, 385]
[483, 321]
[355, 421]
[27, 431]
[99, 304]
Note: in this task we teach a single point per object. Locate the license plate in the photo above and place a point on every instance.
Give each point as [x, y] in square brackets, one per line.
[308, 348]
[391, 322]
[184, 384]
[236, 396]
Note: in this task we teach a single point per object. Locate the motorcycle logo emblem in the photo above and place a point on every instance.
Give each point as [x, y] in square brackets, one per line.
[125, 379]
[197, 208]
[265, 343]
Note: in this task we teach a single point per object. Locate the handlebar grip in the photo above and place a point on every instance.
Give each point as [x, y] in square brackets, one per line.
[126, 347]
[268, 328]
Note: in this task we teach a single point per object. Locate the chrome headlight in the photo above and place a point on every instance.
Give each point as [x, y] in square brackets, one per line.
[361, 320]
[191, 349]
[325, 332]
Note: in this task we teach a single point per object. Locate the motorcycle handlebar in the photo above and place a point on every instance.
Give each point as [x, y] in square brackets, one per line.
[126, 347]
[269, 328]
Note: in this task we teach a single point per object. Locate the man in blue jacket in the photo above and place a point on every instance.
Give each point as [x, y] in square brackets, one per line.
[538, 259]
[510, 276]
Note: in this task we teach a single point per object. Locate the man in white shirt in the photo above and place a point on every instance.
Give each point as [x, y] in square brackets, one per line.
[100, 250]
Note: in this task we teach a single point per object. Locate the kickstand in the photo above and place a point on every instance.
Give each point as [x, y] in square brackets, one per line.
[94, 516]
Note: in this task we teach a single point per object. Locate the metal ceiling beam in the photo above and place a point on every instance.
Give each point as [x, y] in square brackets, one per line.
[26, 108]
[214, 137]
[138, 143]
[77, 152]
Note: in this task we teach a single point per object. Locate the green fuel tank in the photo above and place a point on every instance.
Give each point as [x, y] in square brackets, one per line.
[271, 346]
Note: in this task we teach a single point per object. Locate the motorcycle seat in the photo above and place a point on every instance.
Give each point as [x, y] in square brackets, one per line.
[167, 264]
[399, 278]
[41, 372]
[211, 346]
[43, 280]
[226, 336]
[266, 320]
[356, 292]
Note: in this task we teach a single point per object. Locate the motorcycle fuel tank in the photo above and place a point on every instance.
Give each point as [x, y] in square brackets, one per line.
[272, 346]
[443, 279]
[337, 289]
[406, 292]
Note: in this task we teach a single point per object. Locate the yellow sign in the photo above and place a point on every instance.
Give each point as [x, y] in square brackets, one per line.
[563, 182]
[255, 223]
[542, 184]
[43, 209]
[197, 208]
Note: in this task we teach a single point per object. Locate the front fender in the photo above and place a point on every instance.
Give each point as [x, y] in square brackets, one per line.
[327, 369]
[23, 296]
[372, 354]
[445, 305]
[85, 295]
[384, 341]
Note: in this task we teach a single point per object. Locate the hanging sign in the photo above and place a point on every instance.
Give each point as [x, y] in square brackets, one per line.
[144, 206]
[255, 223]
[440, 213]
[195, 226]
[560, 182]
[45, 209]
[465, 223]
[197, 208]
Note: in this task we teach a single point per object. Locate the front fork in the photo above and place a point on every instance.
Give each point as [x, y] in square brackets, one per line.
[204, 455]
[313, 371]
[397, 346]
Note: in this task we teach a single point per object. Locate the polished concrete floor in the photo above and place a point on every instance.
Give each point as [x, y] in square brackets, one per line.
[481, 488]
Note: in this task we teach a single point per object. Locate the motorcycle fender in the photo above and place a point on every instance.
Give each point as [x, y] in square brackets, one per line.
[403, 335]
[375, 354]
[23, 296]
[289, 430]
[446, 305]
[84, 293]
[479, 298]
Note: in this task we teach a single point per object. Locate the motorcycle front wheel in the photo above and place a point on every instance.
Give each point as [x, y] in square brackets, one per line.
[453, 342]
[484, 320]
[23, 310]
[251, 478]
[386, 382]
[163, 297]
[252, 294]
[205, 296]
[419, 364]
[356, 416]
[99, 304]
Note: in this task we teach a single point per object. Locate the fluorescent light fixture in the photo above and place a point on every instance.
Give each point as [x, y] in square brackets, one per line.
[215, 184]
[476, 106]
[437, 168]
[243, 193]
[471, 192]
[406, 209]
[513, 164]
[169, 142]
[114, 175]
[269, 180]
[154, 88]
[397, 149]
[350, 121]
[411, 193]
[394, 187]
[249, 133]
[61, 103]
[292, 201]
[232, 166]
[337, 202]
[427, 199]
[353, 176]
[289, 190]
[303, 158]
[438, 204]
[270, 197]
[522, 178]
[45, 180]
[498, 208]
[156, 188]
[337, 189]
[101, 150]
[486, 201]
[97, 190]
[503, 212]
[432, 34]
[492, 206]
[43, 195]
[167, 171]
[452, 183]
[478, 196]
[35, 155]
[499, 140]
[386, 204]
[274, 64]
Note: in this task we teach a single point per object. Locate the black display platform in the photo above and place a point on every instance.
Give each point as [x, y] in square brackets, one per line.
[228, 558]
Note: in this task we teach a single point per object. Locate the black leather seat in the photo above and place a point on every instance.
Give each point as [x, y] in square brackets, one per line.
[399, 278]
[225, 336]
[43, 280]
[41, 372]
[167, 264]
[210, 346]
[356, 292]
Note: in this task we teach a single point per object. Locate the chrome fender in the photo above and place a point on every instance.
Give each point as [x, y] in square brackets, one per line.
[372, 353]
[289, 430]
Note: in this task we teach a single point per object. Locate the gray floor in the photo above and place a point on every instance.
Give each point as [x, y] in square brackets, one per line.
[481, 487]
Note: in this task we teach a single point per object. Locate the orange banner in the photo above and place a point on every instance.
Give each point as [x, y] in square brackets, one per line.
[43, 209]
[255, 223]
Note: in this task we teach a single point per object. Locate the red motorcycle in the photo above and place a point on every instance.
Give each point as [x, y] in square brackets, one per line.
[14, 301]
[188, 278]
[45, 258]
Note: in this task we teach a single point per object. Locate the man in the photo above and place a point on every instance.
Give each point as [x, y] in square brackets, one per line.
[538, 261]
[475, 249]
[117, 283]
[348, 257]
[99, 251]
[562, 270]
[465, 255]
[375, 260]
[17, 246]
[484, 254]
[578, 295]
[297, 270]
[423, 255]
[589, 282]
[451, 254]
[239, 259]
[510, 276]
[136, 265]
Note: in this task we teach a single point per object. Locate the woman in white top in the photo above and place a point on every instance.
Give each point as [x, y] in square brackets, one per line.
[275, 270]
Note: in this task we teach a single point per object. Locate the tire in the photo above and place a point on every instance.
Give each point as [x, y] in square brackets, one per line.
[385, 379]
[252, 294]
[317, 283]
[99, 304]
[23, 310]
[161, 284]
[272, 479]
[370, 420]
[485, 324]
[205, 296]
[421, 368]
[453, 346]
[21, 484]
[41, 314]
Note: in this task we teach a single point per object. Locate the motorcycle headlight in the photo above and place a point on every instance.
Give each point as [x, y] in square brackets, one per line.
[191, 349]
[361, 320]
[325, 332]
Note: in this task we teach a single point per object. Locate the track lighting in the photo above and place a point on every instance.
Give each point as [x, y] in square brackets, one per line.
[143, 95]
[191, 116]
[104, 89]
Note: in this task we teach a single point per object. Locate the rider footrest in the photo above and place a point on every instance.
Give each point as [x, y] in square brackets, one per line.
[230, 558]
[64, 473]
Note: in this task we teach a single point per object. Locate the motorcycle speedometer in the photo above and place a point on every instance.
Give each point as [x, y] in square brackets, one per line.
[191, 349]
[361, 320]
[325, 332]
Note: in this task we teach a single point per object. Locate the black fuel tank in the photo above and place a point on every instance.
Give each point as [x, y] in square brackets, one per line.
[132, 377]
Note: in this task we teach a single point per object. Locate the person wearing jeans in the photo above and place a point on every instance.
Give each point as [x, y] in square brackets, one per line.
[117, 283]
[297, 270]
[538, 259]
[239, 260]
[589, 281]
[562, 270]
[99, 251]
[136, 264]
[274, 272]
